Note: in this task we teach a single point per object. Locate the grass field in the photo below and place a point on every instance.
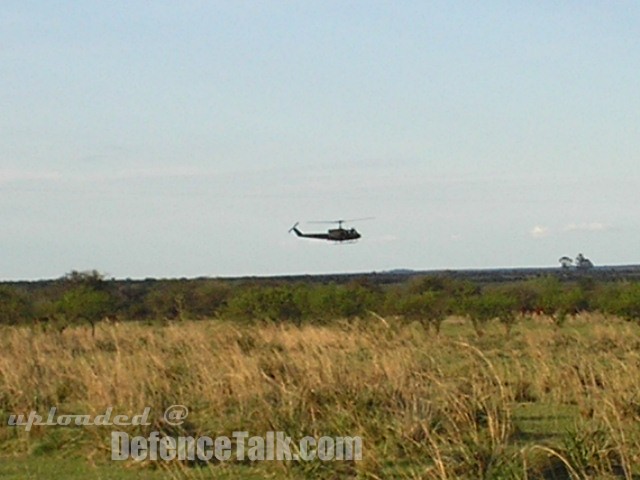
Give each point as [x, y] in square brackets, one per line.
[543, 402]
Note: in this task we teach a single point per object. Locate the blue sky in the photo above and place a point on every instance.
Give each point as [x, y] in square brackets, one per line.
[170, 139]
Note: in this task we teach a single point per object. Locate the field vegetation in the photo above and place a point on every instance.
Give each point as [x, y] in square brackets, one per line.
[442, 379]
[87, 298]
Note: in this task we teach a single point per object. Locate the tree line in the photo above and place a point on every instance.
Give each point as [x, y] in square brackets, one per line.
[80, 297]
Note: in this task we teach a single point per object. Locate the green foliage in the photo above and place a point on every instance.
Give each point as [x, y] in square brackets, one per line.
[590, 451]
[167, 300]
[269, 303]
[208, 298]
[623, 301]
[91, 278]
[489, 305]
[550, 291]
[84, 303]
[525, 295]
[429, 308]
[84, 297]
[430, 284]
[88, 296]
[302, 302]
[14, 306]
[354, 300]
[181, 299]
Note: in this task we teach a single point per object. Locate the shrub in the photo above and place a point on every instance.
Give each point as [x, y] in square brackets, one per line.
[15, 306]
[488, 305]
[85, 303]
[267, 303]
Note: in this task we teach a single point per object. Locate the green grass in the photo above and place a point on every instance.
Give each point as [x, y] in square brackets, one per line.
[53, 467]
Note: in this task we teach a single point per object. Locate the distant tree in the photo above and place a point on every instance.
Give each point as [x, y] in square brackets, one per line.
[84, 303]
[429, 308]
[566, 262]
[492, 304]
[583, 262]
[82, 296]
[90, 278]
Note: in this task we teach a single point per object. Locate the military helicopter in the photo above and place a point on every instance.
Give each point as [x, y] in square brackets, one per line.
[334, 234]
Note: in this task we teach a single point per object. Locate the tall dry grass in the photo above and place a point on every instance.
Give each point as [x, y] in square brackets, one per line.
[426, 406]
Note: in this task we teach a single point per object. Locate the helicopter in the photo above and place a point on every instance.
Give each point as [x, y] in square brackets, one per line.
[334, 234]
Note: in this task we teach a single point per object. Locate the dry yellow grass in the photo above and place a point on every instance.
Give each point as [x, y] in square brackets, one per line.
[447, 406]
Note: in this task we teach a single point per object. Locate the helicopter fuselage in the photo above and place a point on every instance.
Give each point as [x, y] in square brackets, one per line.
[342, 234]
[334, 234]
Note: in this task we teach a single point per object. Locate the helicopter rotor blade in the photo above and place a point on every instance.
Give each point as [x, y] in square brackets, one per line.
[340, 221]
[357, 219]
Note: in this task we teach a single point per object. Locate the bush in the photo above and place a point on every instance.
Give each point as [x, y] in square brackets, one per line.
[623, 301]
[489, 305]
[429, 308]
[15, 306]
[85, 303]
[268, 303]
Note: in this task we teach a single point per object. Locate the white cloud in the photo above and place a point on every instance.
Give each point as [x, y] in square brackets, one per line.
[539, 231]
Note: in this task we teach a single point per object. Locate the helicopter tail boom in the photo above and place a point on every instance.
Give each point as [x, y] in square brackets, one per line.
[321, 236]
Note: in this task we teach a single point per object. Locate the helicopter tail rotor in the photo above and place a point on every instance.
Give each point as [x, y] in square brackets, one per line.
[295, 229]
